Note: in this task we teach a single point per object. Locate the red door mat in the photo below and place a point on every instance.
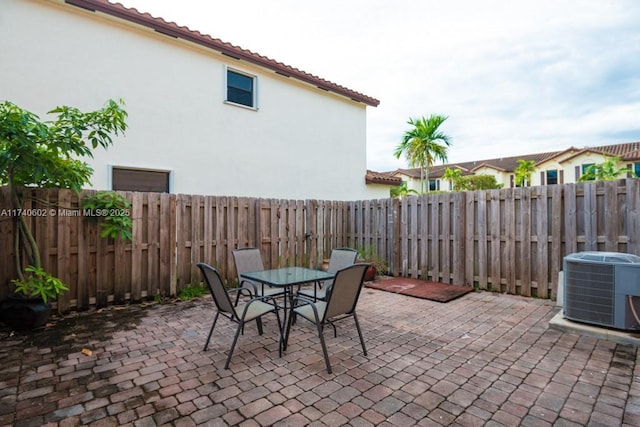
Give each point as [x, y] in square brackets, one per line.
[433, 291]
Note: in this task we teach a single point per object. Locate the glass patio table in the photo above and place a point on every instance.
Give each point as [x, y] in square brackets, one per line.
[286, 278]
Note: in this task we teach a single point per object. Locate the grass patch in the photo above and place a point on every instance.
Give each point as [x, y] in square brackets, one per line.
[192, 291]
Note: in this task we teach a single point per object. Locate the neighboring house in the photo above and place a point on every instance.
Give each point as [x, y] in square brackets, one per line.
[382, 181]
[205, 117]
[558, 167]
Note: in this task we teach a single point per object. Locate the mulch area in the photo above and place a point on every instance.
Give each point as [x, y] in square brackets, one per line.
[434, 291]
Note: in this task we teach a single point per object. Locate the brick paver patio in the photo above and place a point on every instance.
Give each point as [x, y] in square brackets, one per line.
[484, 359]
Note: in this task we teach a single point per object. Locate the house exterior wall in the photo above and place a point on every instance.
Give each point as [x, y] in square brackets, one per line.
[570, 165]
[557, 163]
[412, 183]
[552, 165]
[300, 143]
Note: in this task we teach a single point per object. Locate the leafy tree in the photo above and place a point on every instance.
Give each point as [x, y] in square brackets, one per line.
[605, 171]
[478, 182]
[453, 176]
[423, 144]
[523, 172]
[47, 154]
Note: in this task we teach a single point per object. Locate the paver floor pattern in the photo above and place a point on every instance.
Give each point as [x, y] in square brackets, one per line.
[483, 359]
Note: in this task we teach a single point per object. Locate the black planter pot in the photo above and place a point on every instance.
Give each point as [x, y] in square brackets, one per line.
[24, 313]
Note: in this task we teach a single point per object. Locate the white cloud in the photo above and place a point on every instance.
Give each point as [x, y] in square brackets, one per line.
[513, 77]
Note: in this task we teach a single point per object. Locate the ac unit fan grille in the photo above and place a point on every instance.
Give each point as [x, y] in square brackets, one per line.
[590, 292]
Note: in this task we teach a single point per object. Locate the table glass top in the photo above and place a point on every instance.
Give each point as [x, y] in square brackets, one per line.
[288, 276]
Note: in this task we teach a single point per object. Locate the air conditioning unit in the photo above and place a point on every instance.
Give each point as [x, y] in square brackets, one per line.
[602, 288]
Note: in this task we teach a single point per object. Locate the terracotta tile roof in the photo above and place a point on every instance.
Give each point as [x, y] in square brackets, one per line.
[413, 173]
[508, 164]
[631, 155]
[504, 164]
[382, 178]
[172, 29]
[628, 152]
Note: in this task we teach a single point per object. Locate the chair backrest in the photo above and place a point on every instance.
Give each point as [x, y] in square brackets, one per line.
[344, 295]
[247, 260]
[341, 258]
[217, 289]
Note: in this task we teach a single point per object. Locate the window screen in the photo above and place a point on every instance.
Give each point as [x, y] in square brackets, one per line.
[140, 180]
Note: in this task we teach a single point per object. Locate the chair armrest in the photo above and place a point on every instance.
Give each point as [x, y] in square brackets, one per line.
[304, 299]
[240, 290]
[263, 299]
[249, 282]
[307, 301]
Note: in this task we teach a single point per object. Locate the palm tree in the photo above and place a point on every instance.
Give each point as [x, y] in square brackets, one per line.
[453, 176]
[523, 172]
[424, 144]
[605, 171]
[402, 190]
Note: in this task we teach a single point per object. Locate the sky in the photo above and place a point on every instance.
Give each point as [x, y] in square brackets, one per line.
[513, 77]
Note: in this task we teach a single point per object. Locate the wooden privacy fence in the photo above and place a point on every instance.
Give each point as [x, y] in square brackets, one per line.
[510, 240]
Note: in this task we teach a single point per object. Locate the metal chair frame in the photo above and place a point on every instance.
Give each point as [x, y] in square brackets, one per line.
[340, 304]
[253, 309]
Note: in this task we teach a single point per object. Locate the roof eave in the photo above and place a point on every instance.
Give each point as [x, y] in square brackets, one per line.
[173, 30]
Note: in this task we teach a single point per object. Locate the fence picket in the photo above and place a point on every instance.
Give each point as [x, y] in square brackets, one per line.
[525, 240]
[153, 245]
[494, 224]
[556, 238]
[482, 256]
[542, 242]
[508, 254]
[469, 231]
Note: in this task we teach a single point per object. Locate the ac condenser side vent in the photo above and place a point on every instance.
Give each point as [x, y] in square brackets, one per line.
[589, 292]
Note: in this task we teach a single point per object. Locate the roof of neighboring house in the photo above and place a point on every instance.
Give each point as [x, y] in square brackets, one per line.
[174, 30]
[487, 166]
[382, 178]
[502, 164]
[629, 151]
[626, 152]
[434, 171]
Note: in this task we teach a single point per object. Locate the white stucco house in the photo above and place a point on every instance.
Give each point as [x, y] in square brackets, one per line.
[205, 116]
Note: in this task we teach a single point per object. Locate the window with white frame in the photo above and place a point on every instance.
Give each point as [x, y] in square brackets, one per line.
[241, 88]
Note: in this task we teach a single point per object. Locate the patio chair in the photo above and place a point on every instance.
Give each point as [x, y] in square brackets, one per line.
[247, 260]
[241, 313]
[340, 303]
[340, 258]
